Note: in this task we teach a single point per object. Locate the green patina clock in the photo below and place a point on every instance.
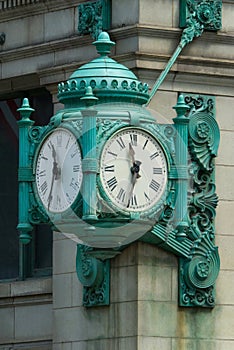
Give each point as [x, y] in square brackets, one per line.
[133, 170]
[105, 173]
[58, 173]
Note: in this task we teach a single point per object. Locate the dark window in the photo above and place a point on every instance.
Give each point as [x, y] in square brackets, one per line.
[36, 258]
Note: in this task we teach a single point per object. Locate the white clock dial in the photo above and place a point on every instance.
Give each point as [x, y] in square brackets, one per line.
[58, 171]
[133, 170]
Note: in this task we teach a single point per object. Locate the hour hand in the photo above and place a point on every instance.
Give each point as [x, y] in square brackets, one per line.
[132, 152]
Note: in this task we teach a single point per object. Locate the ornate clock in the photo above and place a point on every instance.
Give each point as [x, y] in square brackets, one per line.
[58, 173]
[133, 170]
[136, 177]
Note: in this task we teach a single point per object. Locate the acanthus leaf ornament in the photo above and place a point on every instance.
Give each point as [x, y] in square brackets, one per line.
[207, 12]
[199, 271]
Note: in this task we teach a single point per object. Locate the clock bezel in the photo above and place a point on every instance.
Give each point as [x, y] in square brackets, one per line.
[77, 203]
[157, 207]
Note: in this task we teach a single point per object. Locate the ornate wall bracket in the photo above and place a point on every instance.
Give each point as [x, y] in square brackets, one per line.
[94, 17]
[94, 275]
[207, 12]
[199, 271]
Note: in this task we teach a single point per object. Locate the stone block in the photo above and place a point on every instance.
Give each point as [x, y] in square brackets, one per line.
[203, 324]
[157, 319]
[33, 322]
[7, 327]
[82, 324]
[25, 65]
[16, 33]
[64, 256]
[5, 290]
[77, 291]
[75, 54]
[227, 17]
[149, 254]
[226, 251]
[128, 257]
[154, 283]
[224, 221]
[224, 288]
[124, 284]
[62, 346]
[224, 186]
[128, 343]
[59, 24]
[224, 322]
[150, 12]
[224, 112]
[124, 13]
[126, 45]
[62, 290]
[174, 289]
[225, 152]
[153, 343]
[30, 287]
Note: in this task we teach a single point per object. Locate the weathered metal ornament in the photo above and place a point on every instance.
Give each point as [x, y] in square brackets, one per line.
[103, 103]
[207, 12]
[94, 17]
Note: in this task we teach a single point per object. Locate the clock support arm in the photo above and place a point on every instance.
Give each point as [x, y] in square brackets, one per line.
[25, 177]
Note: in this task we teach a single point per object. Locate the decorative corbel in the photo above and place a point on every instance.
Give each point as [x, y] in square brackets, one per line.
[94, 17]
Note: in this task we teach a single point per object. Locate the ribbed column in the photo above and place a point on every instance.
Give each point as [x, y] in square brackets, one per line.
[24, 177]
[89, 164]
[181, 124]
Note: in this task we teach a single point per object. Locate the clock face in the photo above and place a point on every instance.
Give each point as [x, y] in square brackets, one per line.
[133, 170]
[58, 171]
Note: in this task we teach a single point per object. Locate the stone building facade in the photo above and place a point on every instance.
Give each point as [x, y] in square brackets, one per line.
[42, 47]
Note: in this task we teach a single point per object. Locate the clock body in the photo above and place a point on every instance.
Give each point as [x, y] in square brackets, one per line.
[58, 170]
[133, 170]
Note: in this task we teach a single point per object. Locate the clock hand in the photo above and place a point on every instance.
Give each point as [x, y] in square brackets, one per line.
[134, 179]
[132, 152]
[55, 175]
[136, 163]
[135, 175]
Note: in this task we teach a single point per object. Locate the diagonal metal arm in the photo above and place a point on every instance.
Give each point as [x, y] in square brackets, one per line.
[193, 30]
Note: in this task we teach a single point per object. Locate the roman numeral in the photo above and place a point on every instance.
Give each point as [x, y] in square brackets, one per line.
[154, 185]
[121, 143]
[133, 138]
[109, 168]
[50, 145]
[58, 199]
[59, 140]
[146, 197]
[132, 201]
[112, 183]
[68, 142]
[74, 184]
[121, 195]
[74, 153]
[76, 168]
[43, 157]
[157, 171]
[68, 198]
[145, 143]
[113, 154]
[154, 155]
[44, 188]
[42, 173]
